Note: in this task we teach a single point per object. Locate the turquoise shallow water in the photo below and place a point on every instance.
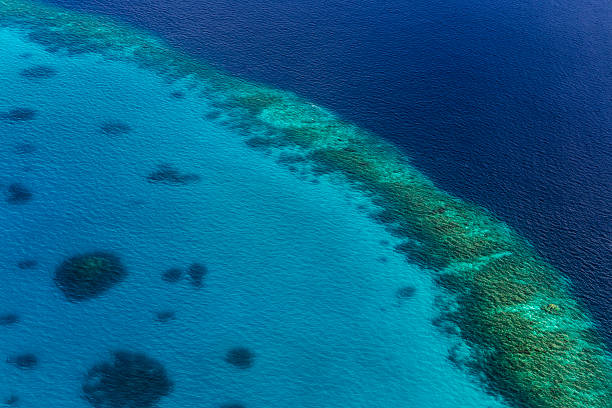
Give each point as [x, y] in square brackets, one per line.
[298, 272]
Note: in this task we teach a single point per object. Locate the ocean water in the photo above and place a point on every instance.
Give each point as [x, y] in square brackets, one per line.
[351, 276]
[503, 103]
[297, 271]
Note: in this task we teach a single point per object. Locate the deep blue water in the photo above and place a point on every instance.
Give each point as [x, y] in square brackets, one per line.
[505, 103]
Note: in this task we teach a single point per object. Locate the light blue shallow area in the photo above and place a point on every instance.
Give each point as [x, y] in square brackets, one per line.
[297, 271]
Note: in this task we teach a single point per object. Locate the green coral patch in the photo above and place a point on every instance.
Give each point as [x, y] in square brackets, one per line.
[88, 275]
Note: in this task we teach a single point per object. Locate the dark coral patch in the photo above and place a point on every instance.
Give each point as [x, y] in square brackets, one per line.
[212, 115]
[25, 361]
[88, 275]
[166, 174]
[232, 405]
[382, 259]
[115, 128]
[129, 380]
[405, 293]
[164, 316]
[38, 72]
[178, 95]
[27, 264]
[18, 115]
[8, 319]
[240, 357]
[172, 275]
[12, 400]
[262, 142]
[18, 194]
[196, 273]
[25, 148]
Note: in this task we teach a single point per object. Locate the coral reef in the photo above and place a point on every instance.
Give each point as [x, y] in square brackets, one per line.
[240, 357]
[197, 272]
[17, 193]
[172, 275]
[27, 264]
[178, 95]
[88, 275]
[12, 400]
[212, 115]
[23, 361]
[25, 148]
[406, 292]
[8, 319]
[129, 380]
[115, 128]
[166, 174]
[18, 115]
[38, 72]
[533, 355]
[164, 316]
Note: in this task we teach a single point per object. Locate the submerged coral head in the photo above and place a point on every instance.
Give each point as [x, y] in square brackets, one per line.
[172, 275]
[18, 115]
[8, 319]
[165, 316]
[115, 128]
[25, 148]
[167, 174]
[38, 72]
[129, 380]
[197, 272]
[23, 361]
[27, 264]
[405, 293]
[240, 357]
[17, 193]
[89, 275]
